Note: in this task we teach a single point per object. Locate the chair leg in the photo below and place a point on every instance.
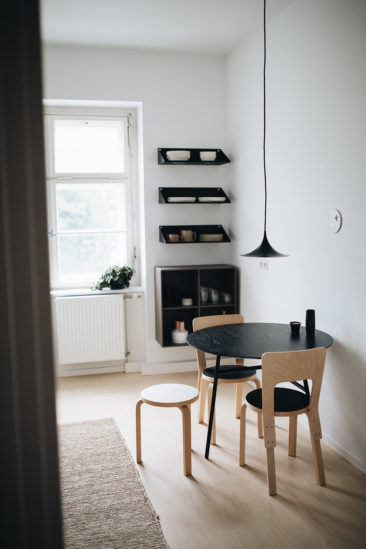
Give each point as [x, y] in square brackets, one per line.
[242, 435]
[201, 409]
[271, 472]
[257, 383]
[138, 431]
[292, 436]
[213, 432]
[199, 379]
[238, 398]
[187, 456]
[260, 425]
[314, 426]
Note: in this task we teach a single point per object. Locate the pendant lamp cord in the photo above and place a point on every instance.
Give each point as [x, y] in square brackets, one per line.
[264, 115]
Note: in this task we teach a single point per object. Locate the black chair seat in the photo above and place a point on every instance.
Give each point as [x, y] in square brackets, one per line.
[285, 400]
[230, 372]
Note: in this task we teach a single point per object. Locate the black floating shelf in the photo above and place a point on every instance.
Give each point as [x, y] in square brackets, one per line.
[204, 233]
[192, 195]
[221, 157]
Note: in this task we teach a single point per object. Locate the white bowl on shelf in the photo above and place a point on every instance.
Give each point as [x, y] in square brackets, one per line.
[208, 156]
[211, 237]
[175, 156]
[211, 198]
[181, 199]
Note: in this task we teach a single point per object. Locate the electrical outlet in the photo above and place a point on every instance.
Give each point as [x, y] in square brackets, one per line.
[263, 264]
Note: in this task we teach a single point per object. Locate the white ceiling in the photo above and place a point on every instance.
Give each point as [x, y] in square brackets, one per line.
[200, 26]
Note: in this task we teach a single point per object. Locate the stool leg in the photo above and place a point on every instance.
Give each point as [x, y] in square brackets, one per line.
[209, 400]
[187, 457]
[238, 399]
[138, 431]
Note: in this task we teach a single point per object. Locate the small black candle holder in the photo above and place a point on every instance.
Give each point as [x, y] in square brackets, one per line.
[295, 327]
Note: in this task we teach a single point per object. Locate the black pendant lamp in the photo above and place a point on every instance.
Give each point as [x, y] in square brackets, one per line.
[264, 249]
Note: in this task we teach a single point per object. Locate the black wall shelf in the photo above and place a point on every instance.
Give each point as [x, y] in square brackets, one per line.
[200, 231]
[193, 195]
[221, 157]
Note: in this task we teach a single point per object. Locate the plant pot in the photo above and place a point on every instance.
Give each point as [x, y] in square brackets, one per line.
[117, 285]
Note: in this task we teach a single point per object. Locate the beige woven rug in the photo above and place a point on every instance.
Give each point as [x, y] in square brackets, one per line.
[105, 505]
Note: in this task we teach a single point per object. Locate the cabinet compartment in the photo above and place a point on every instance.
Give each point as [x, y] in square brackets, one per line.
[177, 285]
[172, 284]
[170, 316]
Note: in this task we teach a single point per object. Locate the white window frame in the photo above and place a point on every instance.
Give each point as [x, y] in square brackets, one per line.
[128, 177]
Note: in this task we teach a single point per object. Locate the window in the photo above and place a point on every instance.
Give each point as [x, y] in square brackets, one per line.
[90, 194]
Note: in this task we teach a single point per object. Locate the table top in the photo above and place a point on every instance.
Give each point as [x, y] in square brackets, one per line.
[252, 339]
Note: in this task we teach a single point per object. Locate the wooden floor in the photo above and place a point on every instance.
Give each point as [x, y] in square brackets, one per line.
[222, 505]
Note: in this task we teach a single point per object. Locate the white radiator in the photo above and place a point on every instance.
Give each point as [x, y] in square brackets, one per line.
[90, 329]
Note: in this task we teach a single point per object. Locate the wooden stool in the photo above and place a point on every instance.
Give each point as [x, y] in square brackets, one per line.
[169, 395]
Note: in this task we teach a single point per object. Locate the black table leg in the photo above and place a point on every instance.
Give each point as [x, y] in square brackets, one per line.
[212, 411]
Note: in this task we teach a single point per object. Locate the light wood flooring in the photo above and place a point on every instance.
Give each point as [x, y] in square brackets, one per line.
[224, 506]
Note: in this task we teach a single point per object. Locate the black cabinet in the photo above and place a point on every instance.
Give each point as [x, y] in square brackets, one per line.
[210, 289]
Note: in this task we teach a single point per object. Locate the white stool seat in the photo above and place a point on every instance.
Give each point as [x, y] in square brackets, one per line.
[170, 394]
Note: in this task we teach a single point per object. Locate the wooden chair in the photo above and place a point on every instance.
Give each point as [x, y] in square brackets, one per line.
[228, 374]
[279, 401]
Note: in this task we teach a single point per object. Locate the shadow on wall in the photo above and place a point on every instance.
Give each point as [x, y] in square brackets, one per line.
[345, 368]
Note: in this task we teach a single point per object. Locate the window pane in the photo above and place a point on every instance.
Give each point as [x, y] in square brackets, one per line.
[83, 258]
[89, 146]
[90, 206]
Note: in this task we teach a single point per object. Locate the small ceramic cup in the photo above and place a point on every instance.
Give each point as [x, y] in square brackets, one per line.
[295, 327]
[173, 237]
[214, 295]
[203, 294]
[188, 236]
[187, 301]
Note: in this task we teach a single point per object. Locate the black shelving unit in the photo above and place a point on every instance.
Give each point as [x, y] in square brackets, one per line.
[200, 230]
[172, 284]
[221, 157]
[198, 195]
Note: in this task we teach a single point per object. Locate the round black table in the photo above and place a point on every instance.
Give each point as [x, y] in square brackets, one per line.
[251, 340]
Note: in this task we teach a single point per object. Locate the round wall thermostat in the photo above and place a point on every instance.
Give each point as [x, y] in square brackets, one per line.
[335, 221]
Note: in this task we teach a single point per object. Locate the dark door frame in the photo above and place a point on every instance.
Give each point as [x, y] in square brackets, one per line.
[30, 495]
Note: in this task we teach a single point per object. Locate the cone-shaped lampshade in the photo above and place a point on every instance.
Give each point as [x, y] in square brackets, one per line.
[264, 250]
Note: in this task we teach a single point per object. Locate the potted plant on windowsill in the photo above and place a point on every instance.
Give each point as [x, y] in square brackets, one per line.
[115, 278]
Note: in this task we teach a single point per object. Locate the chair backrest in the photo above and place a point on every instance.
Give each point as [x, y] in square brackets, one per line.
[287, 367]
[201, 322]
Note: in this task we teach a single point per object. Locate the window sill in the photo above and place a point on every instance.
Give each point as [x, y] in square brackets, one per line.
[87, 291]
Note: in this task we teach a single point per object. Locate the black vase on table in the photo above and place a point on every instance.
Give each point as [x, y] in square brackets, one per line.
[310, 322]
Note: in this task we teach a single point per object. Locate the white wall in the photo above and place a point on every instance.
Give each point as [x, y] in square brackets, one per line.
[184, 105]
[316, 162]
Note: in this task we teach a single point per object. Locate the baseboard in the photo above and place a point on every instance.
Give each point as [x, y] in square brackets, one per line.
[133, 367]
[152, 368]
[353, 460]
[89, 368]
[345, 454]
